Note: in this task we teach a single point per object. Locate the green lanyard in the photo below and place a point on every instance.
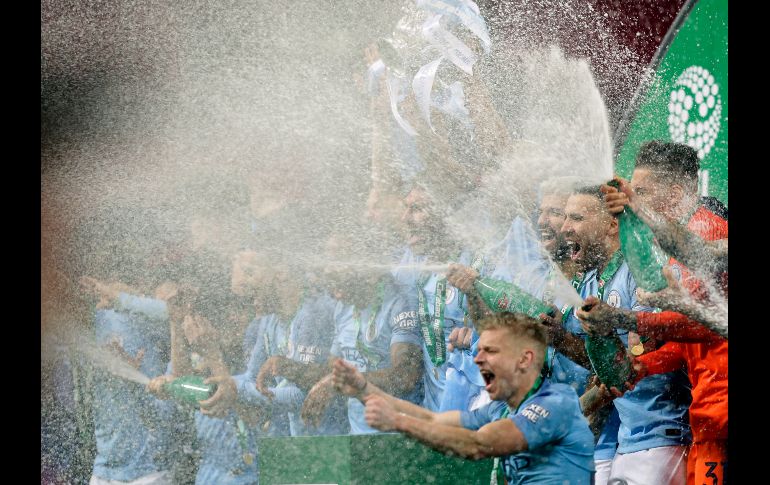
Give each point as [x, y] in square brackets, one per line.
[433, 332]
[370, 356]
[433, 335]
[609, 272]
[506, 413]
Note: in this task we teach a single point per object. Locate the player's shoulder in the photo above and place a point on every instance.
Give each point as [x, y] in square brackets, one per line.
[708, 225]
[553, 396]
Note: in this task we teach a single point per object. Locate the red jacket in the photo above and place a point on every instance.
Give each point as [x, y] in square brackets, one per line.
[702, 351]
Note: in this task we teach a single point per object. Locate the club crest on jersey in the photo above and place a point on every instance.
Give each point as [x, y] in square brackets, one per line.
[613, 299]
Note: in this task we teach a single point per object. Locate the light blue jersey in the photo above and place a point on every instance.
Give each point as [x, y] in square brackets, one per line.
[654, 414]
[435, 377]
[267, 336]
[559, 443]
[365, 341]
[519, 260]
[222, 453]
[312, 332]
[131, 426]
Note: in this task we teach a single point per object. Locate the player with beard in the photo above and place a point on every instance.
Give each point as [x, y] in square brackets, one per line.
[653, 432]
[452, 380]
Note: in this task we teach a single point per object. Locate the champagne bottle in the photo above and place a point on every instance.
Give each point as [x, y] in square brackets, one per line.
[189, 389]
[644, 256]
[502, 296]
[609, 359]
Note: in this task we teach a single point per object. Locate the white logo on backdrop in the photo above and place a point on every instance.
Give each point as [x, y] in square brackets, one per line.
[695, 110]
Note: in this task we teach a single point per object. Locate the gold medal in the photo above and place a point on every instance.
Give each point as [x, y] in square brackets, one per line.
[638, 349]
[465, 320]
[435, 373]
[248, 458]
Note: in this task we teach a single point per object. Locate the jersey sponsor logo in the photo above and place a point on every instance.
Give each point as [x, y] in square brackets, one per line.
[308, 353]
[613, 299]
[405, 319]
[533, 413]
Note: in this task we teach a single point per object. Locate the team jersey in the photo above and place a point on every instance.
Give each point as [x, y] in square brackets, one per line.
[131, 425]
[222, 444]
[311, 335]
[559, 443]
[655, 413]
[519, 259]
[364, 339]
[455, 309]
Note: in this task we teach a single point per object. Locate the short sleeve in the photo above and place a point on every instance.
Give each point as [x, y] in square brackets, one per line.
[545, 419]
[477, 418]
[403, 323]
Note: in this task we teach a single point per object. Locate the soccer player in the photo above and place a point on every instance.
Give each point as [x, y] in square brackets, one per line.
[544, 437]
[665, 180]
[653, 431]
[451, 379]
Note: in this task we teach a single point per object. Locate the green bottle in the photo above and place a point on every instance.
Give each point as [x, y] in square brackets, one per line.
[502, 296]
[609, 359]
[189, 389]
[644, 256]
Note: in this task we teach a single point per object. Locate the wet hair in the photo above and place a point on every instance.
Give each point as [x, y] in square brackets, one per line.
[521, 326]
[677, 161]
[593, 190]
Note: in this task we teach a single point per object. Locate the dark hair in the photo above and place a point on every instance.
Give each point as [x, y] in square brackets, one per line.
[593, 190]
[673, 159]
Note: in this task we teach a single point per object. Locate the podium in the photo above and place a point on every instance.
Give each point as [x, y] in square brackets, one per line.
[383, 458]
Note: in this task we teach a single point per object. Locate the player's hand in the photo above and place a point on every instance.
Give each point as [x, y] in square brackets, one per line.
[669, 298]
[347, 379]
[460, 338]
[379, 413]
[115, 347]
[553, 323]
[166, 291]
[199, 332]
[616, 200]
[272, 368]
[598, 318]
[462, 277]
[317, 401]
[223, 399]
[156, 386]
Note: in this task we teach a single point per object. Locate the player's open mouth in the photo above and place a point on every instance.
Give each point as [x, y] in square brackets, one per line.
[489, 377]
[574, 250]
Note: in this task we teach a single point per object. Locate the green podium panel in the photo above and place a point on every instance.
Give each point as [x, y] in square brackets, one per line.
[363, 459]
